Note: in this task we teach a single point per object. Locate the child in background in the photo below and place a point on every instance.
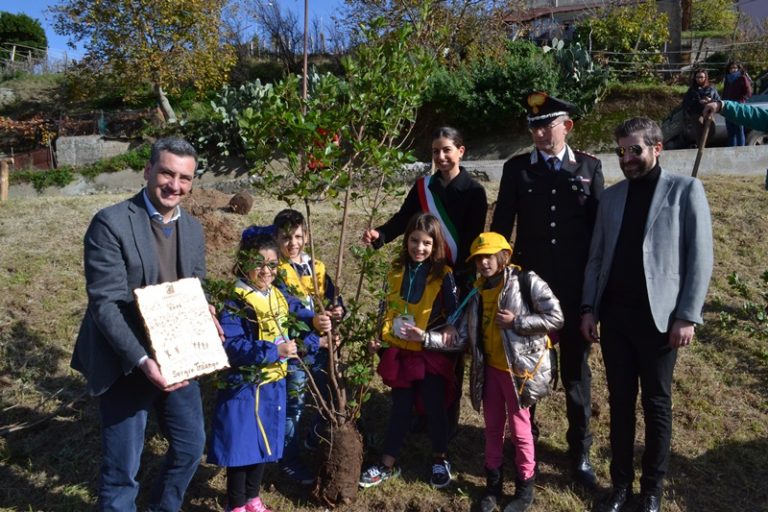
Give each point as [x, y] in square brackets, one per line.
[421, 295]
[248, 424]
[295, 280]
[506, 323]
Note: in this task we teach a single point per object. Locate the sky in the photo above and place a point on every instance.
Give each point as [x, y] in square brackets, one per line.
[320, 8]
[58, 44]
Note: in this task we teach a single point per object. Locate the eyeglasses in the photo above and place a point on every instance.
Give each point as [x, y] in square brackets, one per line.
[546, 127]
[635, 149]
[271, 265]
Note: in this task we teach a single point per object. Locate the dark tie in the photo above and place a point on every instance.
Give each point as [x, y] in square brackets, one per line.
[552, 163]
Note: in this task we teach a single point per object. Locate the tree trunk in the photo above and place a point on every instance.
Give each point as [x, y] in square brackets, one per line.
[165, 106]
[340, 473]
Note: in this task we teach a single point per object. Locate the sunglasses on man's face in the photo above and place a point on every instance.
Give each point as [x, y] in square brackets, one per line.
[635, 149]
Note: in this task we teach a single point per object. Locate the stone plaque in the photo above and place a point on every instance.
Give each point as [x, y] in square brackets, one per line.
[182, 334]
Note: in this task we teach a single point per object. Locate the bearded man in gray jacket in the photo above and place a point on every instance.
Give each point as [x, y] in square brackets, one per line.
[646, 279]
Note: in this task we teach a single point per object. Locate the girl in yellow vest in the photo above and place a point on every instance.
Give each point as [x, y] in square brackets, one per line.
[248, 426]
[421, 295]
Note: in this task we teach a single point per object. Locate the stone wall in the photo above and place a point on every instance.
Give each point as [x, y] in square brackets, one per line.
[87, 149]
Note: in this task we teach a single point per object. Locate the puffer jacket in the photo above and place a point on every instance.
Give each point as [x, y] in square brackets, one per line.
[525, 345]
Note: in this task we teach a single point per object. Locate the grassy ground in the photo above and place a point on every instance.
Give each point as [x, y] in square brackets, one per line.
[49, 453]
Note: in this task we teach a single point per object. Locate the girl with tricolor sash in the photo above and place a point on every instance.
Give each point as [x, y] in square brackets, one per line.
[415, 363]
[452, 195]
[248, 426]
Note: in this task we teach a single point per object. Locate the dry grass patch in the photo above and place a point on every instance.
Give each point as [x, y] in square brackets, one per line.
[721, 419]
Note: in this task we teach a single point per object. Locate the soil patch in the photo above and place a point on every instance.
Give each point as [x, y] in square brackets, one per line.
[221, 228]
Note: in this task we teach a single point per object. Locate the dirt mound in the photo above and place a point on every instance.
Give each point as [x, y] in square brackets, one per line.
[222, 231]
[222, 234]
[203, 200]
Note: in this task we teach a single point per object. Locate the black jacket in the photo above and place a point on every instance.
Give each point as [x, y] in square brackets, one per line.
[554, 213]
[465, 203]
[692, 99]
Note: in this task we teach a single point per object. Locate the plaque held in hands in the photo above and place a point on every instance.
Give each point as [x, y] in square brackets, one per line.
[182, 335]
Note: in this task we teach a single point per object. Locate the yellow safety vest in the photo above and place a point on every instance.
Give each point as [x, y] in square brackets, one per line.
[302, 287]
[271, 311]
[397, 306]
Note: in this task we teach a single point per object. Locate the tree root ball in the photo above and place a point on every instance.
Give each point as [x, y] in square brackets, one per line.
[241, 203]
[340, 474]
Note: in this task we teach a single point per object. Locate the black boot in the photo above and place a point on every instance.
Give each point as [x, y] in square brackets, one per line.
[523, 498]
[616, 501]
[494, 483]
[583, 473]
[650, 502]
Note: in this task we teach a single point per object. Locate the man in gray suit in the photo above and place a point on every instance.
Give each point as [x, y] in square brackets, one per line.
[142, 241]
[645, 281]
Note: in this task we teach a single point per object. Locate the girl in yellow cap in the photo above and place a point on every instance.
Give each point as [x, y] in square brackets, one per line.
[506, 322]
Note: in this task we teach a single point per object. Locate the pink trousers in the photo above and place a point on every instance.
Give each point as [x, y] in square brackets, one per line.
[499, 400]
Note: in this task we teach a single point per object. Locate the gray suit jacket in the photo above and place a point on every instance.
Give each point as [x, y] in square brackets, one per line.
[677, 249]
[119, 257]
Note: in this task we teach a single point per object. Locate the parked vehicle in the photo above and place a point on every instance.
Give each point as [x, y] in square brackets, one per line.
[679, 132]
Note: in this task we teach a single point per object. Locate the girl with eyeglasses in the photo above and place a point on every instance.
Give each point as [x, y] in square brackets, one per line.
[248, 426]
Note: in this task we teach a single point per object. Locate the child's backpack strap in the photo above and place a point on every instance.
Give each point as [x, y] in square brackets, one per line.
[524, 278]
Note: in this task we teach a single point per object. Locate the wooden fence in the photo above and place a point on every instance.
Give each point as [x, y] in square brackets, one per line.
[16, 58]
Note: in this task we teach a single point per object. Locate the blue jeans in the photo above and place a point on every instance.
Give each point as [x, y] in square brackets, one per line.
[296, 388]
[736, 135]
[320, 374]
[124, 410]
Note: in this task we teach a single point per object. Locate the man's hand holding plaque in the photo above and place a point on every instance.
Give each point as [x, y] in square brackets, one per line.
[185, 340]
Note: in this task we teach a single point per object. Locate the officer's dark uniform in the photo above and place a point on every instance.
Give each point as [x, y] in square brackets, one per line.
[555, 212]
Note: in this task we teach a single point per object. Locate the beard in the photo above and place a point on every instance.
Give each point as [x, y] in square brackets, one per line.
[636, 169]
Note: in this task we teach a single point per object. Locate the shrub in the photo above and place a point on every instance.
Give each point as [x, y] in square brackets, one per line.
[482, 94]
[485, 93]
[636, 32]
[41, 180]
[134, 159]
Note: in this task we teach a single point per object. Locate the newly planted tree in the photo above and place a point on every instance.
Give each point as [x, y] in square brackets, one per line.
[343, 142]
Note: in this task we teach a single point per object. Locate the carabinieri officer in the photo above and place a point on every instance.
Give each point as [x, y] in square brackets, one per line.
[551, 196]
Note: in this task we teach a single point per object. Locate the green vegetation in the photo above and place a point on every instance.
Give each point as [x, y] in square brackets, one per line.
[169, 45]
[22, 30]
[714, 15]
[594, 131]
[484, 94]
[41, 180]
[134, 159]
[627, 30]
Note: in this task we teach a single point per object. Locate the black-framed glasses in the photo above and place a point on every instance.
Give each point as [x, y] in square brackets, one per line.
[271, 265]
[635, 149]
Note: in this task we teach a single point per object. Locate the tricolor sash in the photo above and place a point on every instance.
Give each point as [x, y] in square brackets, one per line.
[430, 203]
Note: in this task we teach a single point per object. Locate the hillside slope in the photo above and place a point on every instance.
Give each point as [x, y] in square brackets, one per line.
[50, 443]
